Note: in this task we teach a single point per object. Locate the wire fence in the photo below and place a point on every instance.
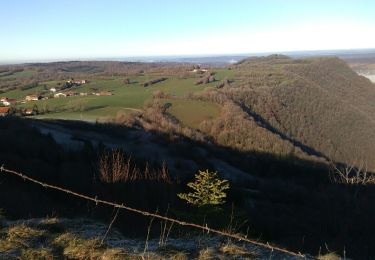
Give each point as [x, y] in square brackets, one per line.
[97, 201]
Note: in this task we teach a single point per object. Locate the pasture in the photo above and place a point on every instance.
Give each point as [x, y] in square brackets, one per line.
[192, 112]
[125, 97]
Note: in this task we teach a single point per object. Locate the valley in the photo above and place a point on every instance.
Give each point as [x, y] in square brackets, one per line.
[279, 129]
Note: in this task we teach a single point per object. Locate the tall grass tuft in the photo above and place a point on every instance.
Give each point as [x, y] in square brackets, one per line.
[114, 167]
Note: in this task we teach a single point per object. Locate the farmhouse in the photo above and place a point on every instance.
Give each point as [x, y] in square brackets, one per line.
[60, 94]
[198, 69]
[52, 90]
[9, 101]
[71, 94]
[29, 111]
[77, 82]
[104, 93]
[33, 97]
[4, 111]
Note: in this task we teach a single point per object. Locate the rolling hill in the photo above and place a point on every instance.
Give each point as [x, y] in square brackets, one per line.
[269, 125]
[319, 103]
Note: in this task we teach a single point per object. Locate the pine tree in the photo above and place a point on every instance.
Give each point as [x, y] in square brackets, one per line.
[208, 189]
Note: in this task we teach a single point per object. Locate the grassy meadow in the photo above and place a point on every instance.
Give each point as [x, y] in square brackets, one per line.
[192, 112]
[124, 98]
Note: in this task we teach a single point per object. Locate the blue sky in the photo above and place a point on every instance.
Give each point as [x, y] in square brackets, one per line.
[80, 29]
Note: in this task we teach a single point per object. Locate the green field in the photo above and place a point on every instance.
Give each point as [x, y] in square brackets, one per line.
[124, 98]
[20, 74]
[193, 112]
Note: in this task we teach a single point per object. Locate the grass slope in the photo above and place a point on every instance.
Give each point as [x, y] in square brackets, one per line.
[193, 112]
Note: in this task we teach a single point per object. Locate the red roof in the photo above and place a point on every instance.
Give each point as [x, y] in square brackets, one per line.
[4, 110]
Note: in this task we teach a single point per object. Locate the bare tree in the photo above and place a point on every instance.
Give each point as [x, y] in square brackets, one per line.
[352, 174]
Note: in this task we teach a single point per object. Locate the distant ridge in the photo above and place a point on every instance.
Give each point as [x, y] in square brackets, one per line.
[216, 59]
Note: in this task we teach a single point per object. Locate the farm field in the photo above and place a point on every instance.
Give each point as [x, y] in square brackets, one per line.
[20, 74]
[124, 98]
[193, 112]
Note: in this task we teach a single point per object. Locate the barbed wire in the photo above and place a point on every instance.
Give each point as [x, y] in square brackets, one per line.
[154, 215]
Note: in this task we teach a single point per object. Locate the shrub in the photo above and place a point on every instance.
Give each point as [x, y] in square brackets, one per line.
[208, 190]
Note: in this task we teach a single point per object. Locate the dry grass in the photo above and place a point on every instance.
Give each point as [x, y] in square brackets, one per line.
[25, 242]
[49, 239]
[19, 237]
[172, 252]
[36, 254]
[114, 254]
[329, 256]
[234, 250]
[114, 167]
[226, 251]
[207, 253]
[50, 221]
[78, 248]
[179, 256]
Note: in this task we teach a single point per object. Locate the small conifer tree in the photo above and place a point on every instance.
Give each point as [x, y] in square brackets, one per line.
[208, 189]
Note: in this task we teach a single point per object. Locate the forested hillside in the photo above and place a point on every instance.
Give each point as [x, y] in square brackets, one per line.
[319, 104]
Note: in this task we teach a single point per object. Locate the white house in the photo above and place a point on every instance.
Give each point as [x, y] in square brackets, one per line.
[33, 97]
[52, 90]
[60, 94]
[9, 101]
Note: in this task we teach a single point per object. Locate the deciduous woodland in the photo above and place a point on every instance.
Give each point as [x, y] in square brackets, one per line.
[292, 140]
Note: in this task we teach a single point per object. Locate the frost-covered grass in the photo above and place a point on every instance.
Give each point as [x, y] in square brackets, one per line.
[54, 238]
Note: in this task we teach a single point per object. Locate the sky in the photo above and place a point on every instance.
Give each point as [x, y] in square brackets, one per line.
[33, 30]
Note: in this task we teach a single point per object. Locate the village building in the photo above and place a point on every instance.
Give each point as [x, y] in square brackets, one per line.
[79, 82]
[29, 111]
[52, 90]
[33, 97]
[199, 70]
[71, 94]
[60, 94]
[4, 111]
[9, 101]
[104, 93]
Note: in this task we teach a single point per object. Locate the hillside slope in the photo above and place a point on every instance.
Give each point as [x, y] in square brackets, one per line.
[320, 103]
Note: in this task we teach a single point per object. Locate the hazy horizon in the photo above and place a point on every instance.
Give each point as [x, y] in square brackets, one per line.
[191, 58]
[54, 30]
